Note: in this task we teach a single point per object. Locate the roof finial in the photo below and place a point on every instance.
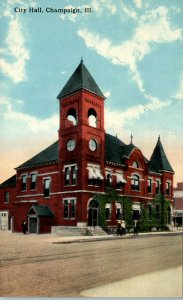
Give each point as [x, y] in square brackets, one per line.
[131, 137]
[116, 135]
[159, 138]
[81, 59]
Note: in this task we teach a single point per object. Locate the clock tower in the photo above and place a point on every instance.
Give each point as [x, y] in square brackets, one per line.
[81, 138]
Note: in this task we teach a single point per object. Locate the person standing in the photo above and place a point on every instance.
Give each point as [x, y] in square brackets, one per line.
[123, 226]
[135, 227]
[24, 227]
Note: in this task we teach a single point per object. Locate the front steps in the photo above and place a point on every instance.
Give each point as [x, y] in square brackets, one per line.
[77, 231]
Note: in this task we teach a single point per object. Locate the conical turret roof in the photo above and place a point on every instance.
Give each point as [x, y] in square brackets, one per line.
[80, 79]
[158, 161]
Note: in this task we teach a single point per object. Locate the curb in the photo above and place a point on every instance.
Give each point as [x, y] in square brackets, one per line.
[117, 238]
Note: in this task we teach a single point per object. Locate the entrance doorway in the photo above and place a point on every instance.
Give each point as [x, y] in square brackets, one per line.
[33, 225]
[93, 213]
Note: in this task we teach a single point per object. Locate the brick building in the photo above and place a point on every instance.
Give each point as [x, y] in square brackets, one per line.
[57, 187]
[178, 204]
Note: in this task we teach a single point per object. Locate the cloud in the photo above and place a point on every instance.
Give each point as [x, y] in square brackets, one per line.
[15, 50]
[116, 120]
[153, 28]
[107, 94]
[138, 3]
[18, 118]
[179, 94]
[23, 135]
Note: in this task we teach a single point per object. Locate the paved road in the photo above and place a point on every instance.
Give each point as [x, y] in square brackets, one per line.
[36, 267]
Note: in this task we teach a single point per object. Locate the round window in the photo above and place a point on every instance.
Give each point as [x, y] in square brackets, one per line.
[71, 145]
[92, 145]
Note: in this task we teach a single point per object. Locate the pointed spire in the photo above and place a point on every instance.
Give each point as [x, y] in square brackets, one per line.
[81, 79]
[159, 161]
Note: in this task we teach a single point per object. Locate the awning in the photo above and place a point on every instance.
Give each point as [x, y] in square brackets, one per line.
[98, 174]
[40, 211]
[91, 174]
[108, 205]
[119, 178]
[118, 205]
[136, 206]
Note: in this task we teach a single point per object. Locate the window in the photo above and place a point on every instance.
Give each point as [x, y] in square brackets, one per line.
[92, 117]
[33, 181]
[149, 188]
[72, 117]
[66, 209]
[120, 181]
[69, 208]
[94, 175]
[24, 183]
[135, 164]
[157, 187]
[6, 197]
[135, 183]
[118, 211]
[109, 179]
[168, 188]
[108, 211]
[71, 145]
[46, 187]
[71, 175]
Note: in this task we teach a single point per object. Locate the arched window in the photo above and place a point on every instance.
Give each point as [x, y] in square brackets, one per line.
[135, 183]
[92, 117]
[135, 164]
[72, 116]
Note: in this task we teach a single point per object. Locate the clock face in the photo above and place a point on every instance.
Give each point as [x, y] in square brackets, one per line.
[92, 145]
[71, 145]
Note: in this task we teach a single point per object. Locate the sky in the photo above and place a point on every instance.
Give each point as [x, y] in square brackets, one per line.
[132, 48]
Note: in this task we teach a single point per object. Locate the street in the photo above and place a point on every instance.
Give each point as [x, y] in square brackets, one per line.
[33, 266]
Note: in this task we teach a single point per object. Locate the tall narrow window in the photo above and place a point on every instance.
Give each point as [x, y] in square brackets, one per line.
[69, 208]
[135, 183]
[24, 183]
[73, 175]
[33, 181]
[46, 187]
[157, 187]
[6, 197]
[66, 209]
[149, 188]
[67, 176]
[167, 188]
[72, 208]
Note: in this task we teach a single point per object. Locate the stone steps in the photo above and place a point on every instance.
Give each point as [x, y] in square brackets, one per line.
[77, 231]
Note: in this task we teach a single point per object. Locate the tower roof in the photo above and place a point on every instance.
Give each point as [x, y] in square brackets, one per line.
[158, 161]
[81, 79]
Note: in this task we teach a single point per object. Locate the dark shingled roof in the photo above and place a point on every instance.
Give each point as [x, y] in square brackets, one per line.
[50, 154]
[80, 79]
[158, 161]
[127, 149]
[11, 182]
[113, 149]
[42, 211]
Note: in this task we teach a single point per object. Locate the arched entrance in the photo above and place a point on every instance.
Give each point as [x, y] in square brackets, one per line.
[93, 213]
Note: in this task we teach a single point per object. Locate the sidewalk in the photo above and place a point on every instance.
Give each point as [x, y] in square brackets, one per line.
[58, 239]
[166, 283]
[55, 239]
